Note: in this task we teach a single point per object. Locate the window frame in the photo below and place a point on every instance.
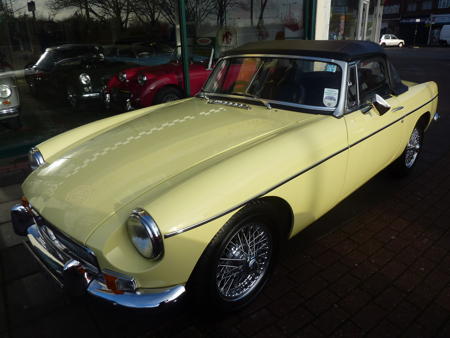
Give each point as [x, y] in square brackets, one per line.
[356, 66]
[337, 111]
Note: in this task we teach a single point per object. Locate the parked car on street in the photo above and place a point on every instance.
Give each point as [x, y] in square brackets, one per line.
[390, 40]
[197, 196]
[150, 54]
[9, 99]
[444, 36]
[74, 73]
[141, 87]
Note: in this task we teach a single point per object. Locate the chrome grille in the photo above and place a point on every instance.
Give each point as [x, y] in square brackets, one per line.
[66, 247]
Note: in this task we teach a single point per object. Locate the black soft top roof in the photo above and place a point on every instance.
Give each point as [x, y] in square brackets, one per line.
[346, 50]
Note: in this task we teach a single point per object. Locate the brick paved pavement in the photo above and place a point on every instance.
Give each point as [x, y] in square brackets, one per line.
[378, 265]
[383, 273]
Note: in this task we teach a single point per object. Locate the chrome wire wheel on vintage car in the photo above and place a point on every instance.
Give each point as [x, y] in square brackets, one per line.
[244, 261]
[403, 165]
[413, 148]
[239, 260]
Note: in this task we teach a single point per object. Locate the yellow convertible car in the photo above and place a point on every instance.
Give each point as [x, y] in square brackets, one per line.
[197, 196]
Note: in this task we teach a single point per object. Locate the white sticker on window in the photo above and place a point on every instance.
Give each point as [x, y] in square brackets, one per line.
[330, 97]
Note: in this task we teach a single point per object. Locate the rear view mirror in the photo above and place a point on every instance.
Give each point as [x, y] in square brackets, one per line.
[381, 105]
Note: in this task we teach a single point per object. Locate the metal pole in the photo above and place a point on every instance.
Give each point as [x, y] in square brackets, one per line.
[184, 46]
[306, 20]
[313, 19]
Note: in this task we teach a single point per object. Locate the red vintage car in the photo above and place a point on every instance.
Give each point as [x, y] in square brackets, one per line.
[141, 87]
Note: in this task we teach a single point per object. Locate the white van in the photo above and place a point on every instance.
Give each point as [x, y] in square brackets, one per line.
[444, 36]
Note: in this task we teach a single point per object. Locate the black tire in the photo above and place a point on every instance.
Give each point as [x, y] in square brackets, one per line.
[230, 274]
[13, 123]
[404, 165]
[168, 94]
[383, 44]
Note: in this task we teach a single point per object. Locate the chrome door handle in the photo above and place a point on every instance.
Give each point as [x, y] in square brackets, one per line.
[397, 108]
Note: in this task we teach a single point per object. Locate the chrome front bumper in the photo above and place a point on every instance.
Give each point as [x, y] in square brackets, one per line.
[76, 275]
[6, 113]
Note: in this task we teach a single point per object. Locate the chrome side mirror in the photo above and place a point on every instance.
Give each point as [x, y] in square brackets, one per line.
[381, 105]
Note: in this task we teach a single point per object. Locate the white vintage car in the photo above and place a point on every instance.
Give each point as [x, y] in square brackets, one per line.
[390, 40]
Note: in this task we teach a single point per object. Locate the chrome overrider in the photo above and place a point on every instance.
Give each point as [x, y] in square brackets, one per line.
[75, 267]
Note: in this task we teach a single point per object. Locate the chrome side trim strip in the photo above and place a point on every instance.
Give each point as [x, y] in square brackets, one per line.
[392, 123]
[253, 198]
[196, 225]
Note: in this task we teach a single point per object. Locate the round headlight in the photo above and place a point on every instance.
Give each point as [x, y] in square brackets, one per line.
[145, 234]
[122, 77]
[142, 79]
[85, 79]
[35, 158]
[5, 91]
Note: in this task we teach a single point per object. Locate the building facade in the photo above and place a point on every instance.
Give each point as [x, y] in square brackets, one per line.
[418, 22]
[349, 19]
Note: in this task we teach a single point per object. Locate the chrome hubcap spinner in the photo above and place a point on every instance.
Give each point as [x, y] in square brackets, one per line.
[244, 261]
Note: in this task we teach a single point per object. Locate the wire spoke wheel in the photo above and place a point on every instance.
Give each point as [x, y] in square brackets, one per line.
[413, 148]
[244, 261]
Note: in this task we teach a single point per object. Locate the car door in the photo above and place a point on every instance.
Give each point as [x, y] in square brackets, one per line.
[373, 138]
[394, 40]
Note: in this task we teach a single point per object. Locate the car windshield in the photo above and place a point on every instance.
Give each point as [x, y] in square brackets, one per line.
[50, 57]
[296, 81]
[47, 61]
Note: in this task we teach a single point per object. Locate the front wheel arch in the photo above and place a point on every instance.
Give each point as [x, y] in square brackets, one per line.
[279, 216]
[157, 98]
[424, 121]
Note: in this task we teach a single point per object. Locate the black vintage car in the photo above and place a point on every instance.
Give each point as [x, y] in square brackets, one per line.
[74, 73]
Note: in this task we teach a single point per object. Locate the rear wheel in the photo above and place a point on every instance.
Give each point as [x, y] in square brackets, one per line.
[238, 262]
[168, 94]
[401, 44]
[383, 44]
[408, 159]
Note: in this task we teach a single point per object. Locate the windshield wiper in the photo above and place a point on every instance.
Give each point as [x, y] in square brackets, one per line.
[256, 97]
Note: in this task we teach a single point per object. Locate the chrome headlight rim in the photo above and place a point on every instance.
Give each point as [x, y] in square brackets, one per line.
[35, 158]
[5, 91]
[85, 79]
[141, 223]
[141, 79]
[122, 77]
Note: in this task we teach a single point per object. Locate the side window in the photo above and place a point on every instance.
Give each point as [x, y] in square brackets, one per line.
[352, 94]
[372, 79]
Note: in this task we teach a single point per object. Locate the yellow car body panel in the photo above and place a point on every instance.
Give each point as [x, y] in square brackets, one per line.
[190, 162]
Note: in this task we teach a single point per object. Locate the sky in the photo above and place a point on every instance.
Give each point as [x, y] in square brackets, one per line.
[42, 9]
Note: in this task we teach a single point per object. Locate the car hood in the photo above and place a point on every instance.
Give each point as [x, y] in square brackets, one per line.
[89, 182]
